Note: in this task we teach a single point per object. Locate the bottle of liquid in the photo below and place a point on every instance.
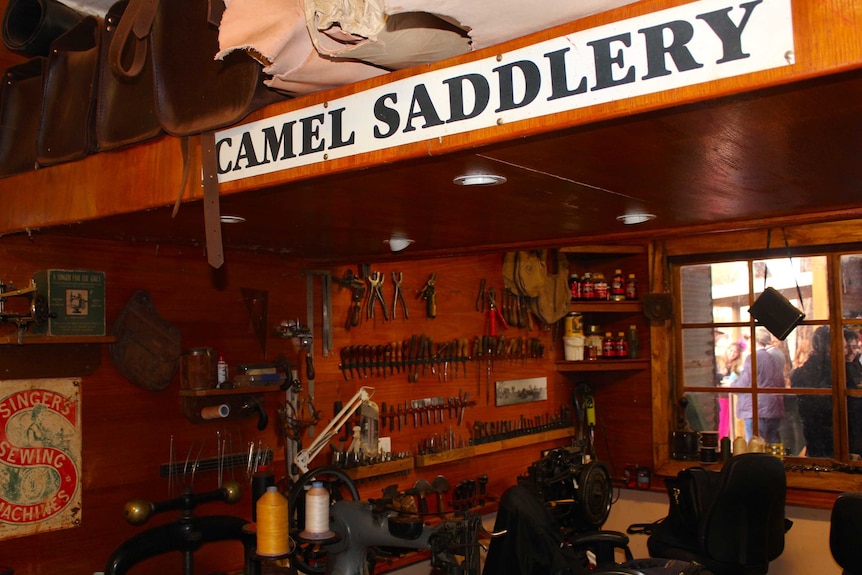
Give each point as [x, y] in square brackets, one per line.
[622, 346]
[601, 288]
[594, 342]
[575, 287]
[588, 288]
[369, 422]
[633, 342]
[631, 287]
[222, 371]
[609, 346]
[618, 286]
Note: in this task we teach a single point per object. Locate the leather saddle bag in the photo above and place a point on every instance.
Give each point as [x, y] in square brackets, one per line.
[148, 347]
[194, 92]
[20, 106]
[66, 127]
[29, 26]
[125, 106]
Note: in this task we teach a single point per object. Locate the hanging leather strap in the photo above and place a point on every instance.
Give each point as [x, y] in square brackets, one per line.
[212, 217]
[134, 30]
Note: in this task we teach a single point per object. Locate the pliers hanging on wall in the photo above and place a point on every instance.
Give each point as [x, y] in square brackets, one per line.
[375, 280]
[398, 296]
[494, 314]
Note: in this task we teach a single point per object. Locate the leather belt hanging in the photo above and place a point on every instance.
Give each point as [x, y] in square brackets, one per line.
[212, 216]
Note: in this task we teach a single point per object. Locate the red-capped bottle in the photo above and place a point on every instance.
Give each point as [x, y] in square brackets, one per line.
[609, 346]
[575, 287]
[631, 287]
[622, 346]
[618, 286]
[588, 288]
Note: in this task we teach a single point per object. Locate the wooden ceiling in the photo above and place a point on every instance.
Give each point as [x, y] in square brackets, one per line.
[787, 151]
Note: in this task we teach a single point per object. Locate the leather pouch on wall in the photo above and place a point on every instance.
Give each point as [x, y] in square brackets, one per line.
[194, 92]
[29, 26]
[148, 347]
[20, 105]
[125, 107]
[66, 127]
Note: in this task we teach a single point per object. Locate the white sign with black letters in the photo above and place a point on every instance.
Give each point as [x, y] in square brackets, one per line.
[682, 46]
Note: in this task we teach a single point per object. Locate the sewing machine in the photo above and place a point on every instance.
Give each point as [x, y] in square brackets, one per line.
[359, 526]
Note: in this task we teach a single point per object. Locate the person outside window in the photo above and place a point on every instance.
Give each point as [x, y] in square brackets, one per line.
[816, 410]
[853, 369]
[770, 374]
[728, 373]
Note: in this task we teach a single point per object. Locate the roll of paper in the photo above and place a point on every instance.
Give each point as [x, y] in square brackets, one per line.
[215, 411]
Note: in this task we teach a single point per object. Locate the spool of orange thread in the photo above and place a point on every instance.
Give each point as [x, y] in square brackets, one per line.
[272, 532]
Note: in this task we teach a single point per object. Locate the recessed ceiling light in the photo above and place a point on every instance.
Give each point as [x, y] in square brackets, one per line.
[232, 219]
[398, 242]
[480, 180]
[636, 218]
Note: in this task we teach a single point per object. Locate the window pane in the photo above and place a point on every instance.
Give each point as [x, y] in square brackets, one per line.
[854, 418]
[851, 286]
[813, 358]
[852, 354]
[703, 412]
[700, 365]
[784, 274]
[715, 292]
[815, 412]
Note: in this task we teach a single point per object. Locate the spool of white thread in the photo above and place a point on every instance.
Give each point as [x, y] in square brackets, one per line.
[317, 513]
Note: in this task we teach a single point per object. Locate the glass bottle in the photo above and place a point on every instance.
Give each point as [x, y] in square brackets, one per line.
[594, 342]
[588, 288]
[601, 289]
[631, 287]
[618, 286]
[622, 345]
[575, 287]
[633, 342]
[609, 346]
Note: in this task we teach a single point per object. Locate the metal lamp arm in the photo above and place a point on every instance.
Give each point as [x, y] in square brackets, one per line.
[304, 458]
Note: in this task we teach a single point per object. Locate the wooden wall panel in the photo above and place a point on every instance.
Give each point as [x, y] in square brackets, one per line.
[127, 430]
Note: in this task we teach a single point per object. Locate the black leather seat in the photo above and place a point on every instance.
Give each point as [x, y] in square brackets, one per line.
[534, 544]
[845, 533]
[741, 529]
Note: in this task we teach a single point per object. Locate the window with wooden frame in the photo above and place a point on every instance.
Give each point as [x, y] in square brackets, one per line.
[802, 394]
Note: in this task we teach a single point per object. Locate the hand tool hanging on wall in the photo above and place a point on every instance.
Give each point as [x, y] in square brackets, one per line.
[256, 304]
[375, 295]
[494, 315]
[398, 296]
[429, 294]
[357, 286]
[480, 299]
[325, 306]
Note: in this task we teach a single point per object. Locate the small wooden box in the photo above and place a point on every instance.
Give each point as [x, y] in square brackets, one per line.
[76, 301]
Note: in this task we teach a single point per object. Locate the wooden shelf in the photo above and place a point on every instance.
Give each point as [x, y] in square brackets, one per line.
[492, 447]
[232, 391]
[385, 468]
[604, 249]
[603, 365]
[12, 339]
[607, 306]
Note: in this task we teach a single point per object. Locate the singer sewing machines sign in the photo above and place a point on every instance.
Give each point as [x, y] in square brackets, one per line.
[40, 456]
